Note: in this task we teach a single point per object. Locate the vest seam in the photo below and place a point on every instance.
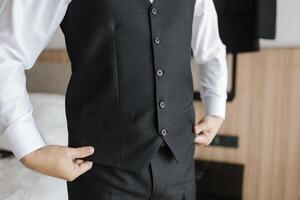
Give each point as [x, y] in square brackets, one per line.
[118, 85]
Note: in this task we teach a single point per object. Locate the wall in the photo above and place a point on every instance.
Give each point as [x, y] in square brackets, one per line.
[265, 117]
[288, 25]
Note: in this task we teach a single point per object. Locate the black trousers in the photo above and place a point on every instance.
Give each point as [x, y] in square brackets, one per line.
[163, 179]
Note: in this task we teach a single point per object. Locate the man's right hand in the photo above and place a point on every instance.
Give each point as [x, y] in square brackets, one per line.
[59, 161]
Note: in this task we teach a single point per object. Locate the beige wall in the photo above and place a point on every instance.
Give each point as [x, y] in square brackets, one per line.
[265, 116]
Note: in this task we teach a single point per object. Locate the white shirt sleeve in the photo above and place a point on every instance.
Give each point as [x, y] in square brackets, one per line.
[210, 54]
[26, 26]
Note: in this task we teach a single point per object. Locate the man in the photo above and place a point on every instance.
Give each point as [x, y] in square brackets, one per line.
[129, 102]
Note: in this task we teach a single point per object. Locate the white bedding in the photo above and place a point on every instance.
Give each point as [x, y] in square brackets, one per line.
[19, 183]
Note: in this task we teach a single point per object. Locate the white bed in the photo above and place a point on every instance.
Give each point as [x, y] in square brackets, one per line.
[19, 183]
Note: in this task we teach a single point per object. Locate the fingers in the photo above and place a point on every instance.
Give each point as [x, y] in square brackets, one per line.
[79, 161]
[83, 167]
[80, 152]
[79, 167]
[202, 126]
[202, 139]
[201, 131]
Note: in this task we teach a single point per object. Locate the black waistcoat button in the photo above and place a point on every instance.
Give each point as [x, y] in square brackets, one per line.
[154, 11]
[156, 40]
[159, 72]
[162, 104]
[163, 132]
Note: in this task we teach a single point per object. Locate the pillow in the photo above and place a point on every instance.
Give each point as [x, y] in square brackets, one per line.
[50, 118]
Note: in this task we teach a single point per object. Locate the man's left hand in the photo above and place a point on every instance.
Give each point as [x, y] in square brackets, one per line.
[206, 129]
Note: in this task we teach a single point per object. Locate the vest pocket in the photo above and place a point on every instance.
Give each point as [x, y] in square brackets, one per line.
[186, 106]
[188, 110]
[104, 133]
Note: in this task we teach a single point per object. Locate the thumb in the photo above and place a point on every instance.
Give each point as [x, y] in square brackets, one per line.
[81, 152]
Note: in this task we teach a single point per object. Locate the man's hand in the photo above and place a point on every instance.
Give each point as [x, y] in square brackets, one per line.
[207, 129]
[59, 161]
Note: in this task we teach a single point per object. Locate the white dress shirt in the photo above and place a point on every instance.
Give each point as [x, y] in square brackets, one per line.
[27, 26]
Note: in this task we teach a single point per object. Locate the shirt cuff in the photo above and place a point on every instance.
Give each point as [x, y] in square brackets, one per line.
[215, 106]
[23, 138]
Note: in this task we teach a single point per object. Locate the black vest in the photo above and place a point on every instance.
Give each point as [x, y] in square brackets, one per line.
[131, 85]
